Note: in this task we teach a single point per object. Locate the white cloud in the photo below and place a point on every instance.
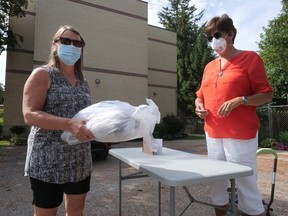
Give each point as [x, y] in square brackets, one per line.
[249, 16]
[155, 6]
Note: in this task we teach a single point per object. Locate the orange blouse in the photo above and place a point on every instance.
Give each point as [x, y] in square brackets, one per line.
[243, 75]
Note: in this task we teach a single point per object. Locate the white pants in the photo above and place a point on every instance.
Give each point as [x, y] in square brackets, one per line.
[240, 152]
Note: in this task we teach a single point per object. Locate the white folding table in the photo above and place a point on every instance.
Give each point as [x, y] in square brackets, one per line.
[176, 168]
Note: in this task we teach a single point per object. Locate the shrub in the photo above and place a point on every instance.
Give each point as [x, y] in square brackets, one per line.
[17, 129]
[17, 138]
[268, 143]
[283, 137]
[1, 121]
[1, 112]
[160, 131]
[170, 127]
[280, 146]
[174, 124]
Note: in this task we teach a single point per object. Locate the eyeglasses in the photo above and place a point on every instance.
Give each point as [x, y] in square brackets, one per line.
[68, 41]
[216, 35]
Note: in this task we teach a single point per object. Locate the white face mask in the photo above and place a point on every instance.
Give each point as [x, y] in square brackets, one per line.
[219, 45]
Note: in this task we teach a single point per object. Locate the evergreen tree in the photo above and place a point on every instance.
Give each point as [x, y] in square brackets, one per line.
[193, 52]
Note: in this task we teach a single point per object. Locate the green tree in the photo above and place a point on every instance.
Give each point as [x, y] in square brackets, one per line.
[273, 48]
[199, 56]
[10, 8]
[2, 91]
[193, 52]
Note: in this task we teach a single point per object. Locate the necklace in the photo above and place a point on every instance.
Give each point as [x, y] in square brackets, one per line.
[220, 69]
[219, 74]
[232, 53]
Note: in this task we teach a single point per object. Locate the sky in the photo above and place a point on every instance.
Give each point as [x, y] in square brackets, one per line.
[249, 16]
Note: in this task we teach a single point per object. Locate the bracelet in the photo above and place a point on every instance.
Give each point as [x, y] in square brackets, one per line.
[245, 100]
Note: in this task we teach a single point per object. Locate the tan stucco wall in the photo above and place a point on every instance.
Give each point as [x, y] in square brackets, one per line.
[116, 44]
[121, 51]
[162, 67]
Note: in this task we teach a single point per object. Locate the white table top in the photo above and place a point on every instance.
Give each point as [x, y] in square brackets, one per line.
[178, 168]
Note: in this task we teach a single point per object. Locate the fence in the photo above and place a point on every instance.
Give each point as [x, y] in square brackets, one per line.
[273, 120]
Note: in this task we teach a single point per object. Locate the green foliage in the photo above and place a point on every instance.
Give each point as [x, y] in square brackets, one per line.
[170, 127]
[10, 8]
[283, 137]
[274, 52]
[160, 131]
[4, 143]
[1, 115]
[1, 121]
[173, 123]
[2, 91]
[274, 144]
[193, 52]
[268, 143]
[17, 138]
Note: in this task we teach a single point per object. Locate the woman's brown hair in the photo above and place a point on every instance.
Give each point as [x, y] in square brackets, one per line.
[223, 23]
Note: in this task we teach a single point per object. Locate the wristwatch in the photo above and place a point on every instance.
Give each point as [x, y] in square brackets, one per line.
[245, 100]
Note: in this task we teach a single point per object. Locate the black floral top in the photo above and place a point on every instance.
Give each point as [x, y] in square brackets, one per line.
[49, 158]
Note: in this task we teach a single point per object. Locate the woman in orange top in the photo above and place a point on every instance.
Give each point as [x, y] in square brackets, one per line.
[232, 86]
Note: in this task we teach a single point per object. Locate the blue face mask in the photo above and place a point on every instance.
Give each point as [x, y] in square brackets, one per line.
[68, 54]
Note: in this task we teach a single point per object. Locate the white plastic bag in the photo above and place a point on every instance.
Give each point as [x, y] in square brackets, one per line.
[117, 121]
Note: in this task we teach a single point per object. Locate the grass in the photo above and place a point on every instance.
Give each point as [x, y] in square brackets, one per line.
[4, 143]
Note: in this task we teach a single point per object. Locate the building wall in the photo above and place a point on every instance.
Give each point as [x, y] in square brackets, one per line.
[162, 69]
[18, 66]
[121, 59]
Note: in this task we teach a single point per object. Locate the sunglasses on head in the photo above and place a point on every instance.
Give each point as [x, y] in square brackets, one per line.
[68, 41]
[216, 35]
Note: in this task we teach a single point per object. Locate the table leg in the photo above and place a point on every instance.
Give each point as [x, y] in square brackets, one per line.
[233, 197]
[120, 188]
[172, 201]
[159, 198]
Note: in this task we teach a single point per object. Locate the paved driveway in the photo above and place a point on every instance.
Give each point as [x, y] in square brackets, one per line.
[139, 195]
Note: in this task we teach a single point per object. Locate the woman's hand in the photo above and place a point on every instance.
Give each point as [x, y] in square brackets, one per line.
[79, 130]
[200, 110]
[226, 108]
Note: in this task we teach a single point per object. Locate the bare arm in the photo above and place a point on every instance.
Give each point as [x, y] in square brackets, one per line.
[253, 100]
[259, 99]
[34, 96]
